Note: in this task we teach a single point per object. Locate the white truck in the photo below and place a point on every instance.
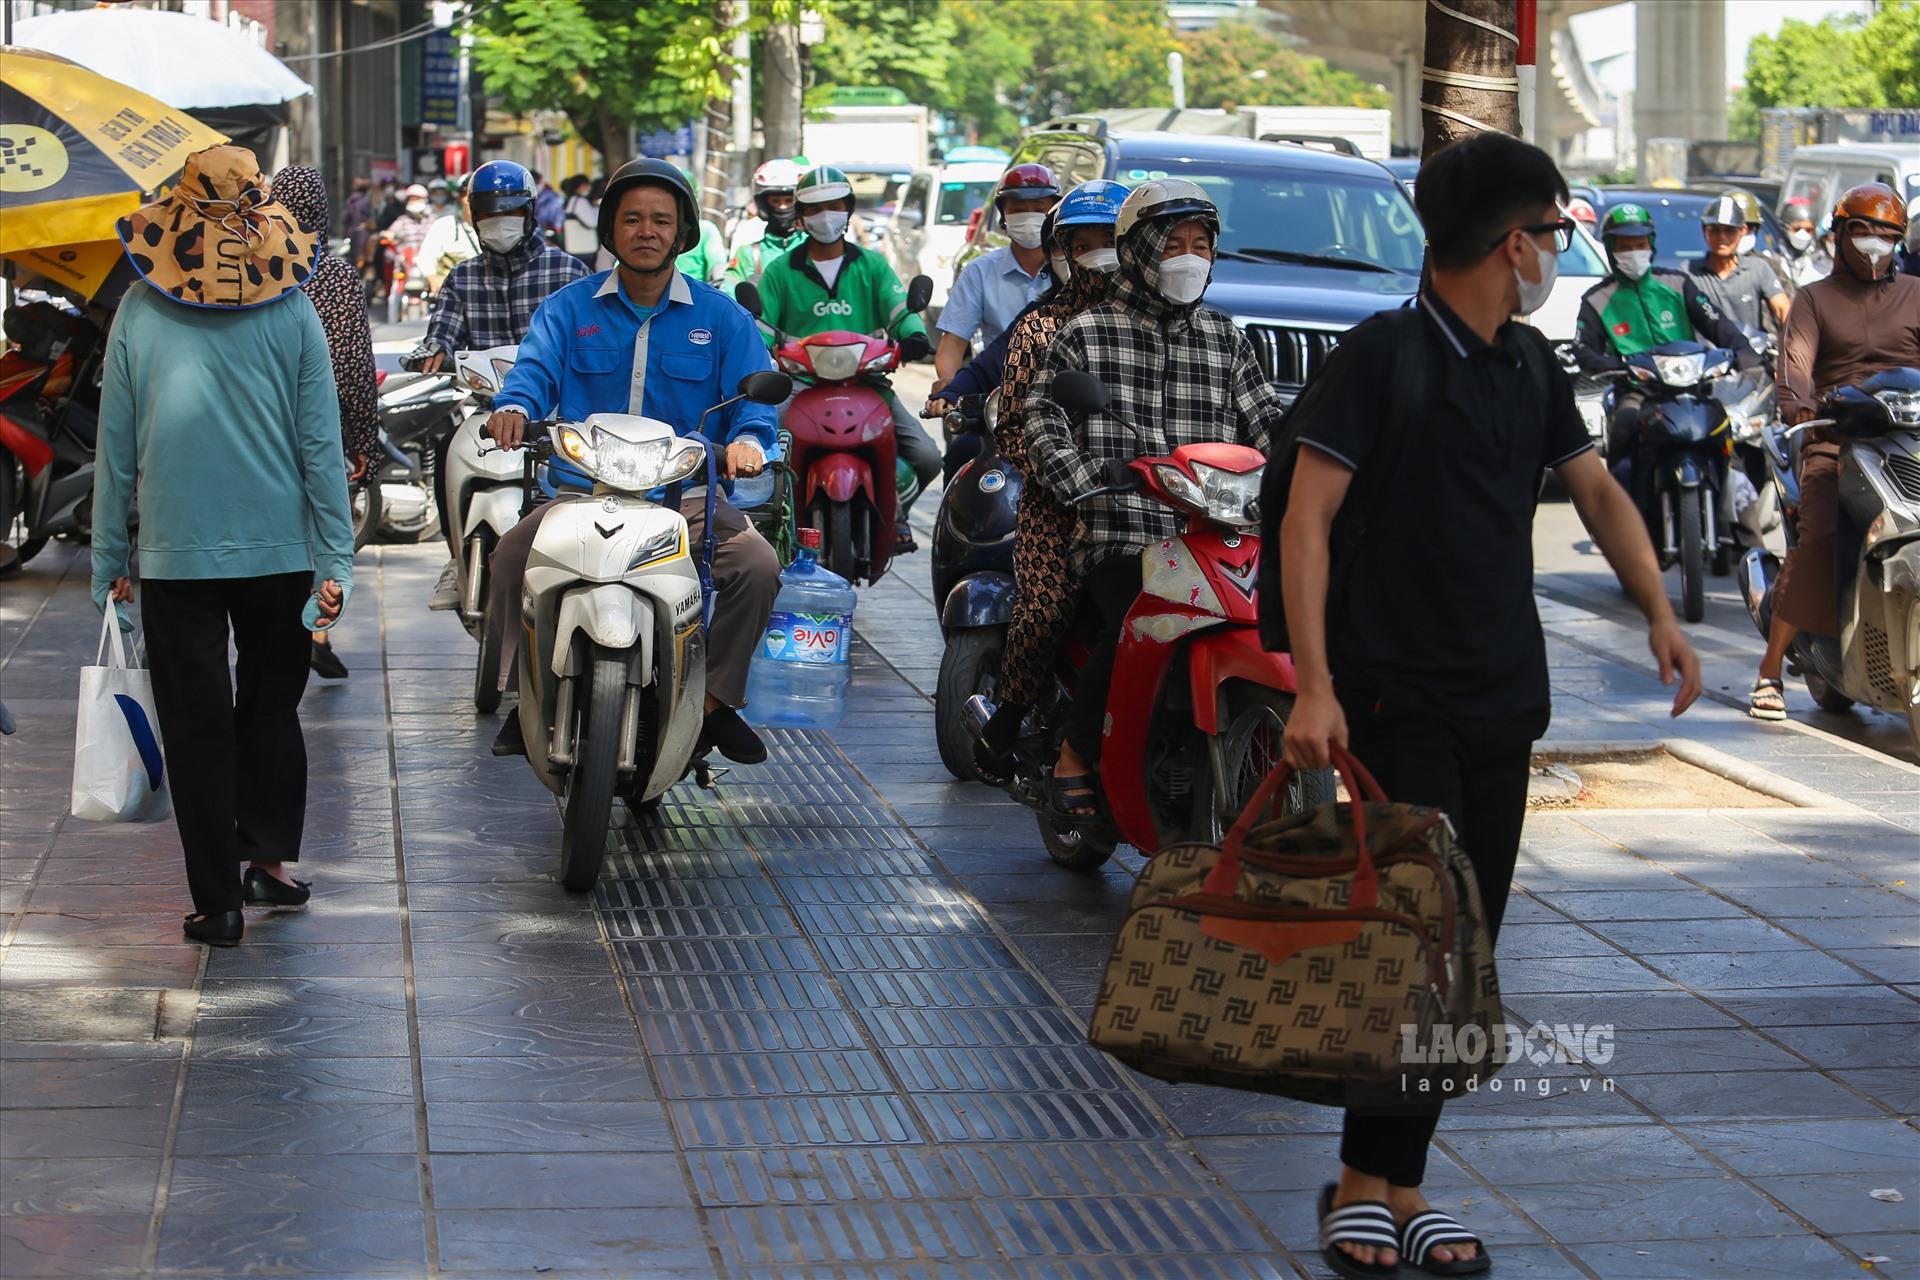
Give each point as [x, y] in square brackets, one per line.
[896, 135]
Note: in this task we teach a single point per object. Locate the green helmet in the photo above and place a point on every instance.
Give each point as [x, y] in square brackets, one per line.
[817, 186]
[1626, 220]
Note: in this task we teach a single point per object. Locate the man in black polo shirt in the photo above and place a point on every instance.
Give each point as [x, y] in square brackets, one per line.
[1424, 654]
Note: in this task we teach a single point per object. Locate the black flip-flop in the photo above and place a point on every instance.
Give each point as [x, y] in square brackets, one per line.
[1063, 795]
[1431, 1229]
[1364, 1222]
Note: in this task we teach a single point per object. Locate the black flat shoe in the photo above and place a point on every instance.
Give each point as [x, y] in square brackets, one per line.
[263, 890]
[734, 738]
[221, 929]
[326, 663]
[511, 740]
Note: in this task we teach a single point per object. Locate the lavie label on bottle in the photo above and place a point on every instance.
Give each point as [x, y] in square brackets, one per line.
[808, 637]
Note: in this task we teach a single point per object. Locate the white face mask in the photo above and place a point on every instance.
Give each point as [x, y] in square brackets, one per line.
[1873, 249]
[1635, 264]
[1184, 279]
[1746, 244]
[1101, 260]
[1534, 295]
[1062, 272]
[416, 207]
[502, 234]
[827, 226]
[1801, 239]
[1024, 228]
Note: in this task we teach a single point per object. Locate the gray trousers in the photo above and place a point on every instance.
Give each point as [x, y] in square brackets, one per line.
[746, 578]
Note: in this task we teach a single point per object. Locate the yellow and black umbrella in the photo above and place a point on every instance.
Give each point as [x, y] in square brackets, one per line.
[77, 152]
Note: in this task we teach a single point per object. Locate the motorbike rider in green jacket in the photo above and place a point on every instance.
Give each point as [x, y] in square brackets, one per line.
[828, 283]
[1638, 307]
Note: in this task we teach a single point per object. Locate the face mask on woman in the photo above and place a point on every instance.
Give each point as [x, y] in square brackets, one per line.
[501, 234]
[1101, 260]
[1061, 269]
[827, 226]
[1746, 244]
[1801, 238]
[1184, 278]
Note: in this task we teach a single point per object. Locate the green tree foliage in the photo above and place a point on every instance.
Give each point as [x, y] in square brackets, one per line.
[1840, 62]
[1890, 47]
[902, 44]
[610, 65]
[1237, 64]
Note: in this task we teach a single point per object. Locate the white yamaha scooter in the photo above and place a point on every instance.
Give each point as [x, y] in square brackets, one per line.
[612, 660]
[484, 493]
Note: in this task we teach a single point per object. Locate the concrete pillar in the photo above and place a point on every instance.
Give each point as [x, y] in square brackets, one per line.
[1680, 71]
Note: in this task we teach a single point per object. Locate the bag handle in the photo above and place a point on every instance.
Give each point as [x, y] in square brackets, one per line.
[1362, 788]
[110, 638]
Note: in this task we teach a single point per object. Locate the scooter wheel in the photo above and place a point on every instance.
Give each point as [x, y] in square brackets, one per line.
[1073, 847]
[1828, 697]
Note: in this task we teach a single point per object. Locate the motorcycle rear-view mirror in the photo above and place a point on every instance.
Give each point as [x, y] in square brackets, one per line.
[919, 293]
[1079, 393]
[747, 294]
[769, 386]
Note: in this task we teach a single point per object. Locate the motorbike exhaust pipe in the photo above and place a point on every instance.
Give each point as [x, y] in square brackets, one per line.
[976, 714]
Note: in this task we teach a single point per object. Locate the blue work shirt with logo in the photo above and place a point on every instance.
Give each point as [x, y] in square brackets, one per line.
[592, 350]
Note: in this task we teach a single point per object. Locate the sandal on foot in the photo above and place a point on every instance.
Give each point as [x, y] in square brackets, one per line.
[1074, 797]
[1768, 700]
[1364, 1222]
[1431, 1229]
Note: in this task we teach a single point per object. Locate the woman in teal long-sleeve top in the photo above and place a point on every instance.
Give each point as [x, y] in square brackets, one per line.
[218, 408]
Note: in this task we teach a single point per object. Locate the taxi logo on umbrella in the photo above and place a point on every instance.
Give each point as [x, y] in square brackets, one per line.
[31, 159]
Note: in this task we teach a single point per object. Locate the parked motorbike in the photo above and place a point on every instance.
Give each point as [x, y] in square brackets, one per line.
[972, 579]
[417, 410]
[1876, 657]
[1197, 707]
[49, 422]
[842, 449]
[612, 657]
[484, 493]
[1677, 473]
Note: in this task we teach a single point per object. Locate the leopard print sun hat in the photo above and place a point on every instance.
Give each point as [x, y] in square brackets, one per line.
[219, 239]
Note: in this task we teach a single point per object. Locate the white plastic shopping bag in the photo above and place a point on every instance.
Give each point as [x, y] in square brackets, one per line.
[118, 772]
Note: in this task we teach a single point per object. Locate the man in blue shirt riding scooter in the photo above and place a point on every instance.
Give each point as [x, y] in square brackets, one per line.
[644, 339]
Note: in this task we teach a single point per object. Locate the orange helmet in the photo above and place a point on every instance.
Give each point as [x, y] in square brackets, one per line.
[1872, 202]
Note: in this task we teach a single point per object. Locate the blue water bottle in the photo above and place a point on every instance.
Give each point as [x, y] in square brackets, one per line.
[798, 678]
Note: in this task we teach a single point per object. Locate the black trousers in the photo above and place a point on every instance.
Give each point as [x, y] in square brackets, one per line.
[1476, 770]
[1112, 587]
[237, 760]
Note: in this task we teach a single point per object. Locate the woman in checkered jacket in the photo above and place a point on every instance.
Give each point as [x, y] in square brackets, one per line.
[1177, 373]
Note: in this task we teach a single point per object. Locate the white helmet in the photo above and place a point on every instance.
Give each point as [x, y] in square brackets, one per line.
[416, 192]
[1163, 198]
[776, 175]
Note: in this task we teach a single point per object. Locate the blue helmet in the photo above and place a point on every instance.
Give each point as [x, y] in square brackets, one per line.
[1091, 204]
[497, 187]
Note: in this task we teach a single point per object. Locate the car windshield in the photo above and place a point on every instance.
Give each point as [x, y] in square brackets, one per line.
[958, 200]
[871, 190]
[1582, 258]
[1283, 214]
[1676, 225]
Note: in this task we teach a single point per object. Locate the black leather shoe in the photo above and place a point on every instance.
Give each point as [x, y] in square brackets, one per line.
[263, 890]
[510, 741]
[903, 540]
[326, 663]
[724, 731]
[220, 929]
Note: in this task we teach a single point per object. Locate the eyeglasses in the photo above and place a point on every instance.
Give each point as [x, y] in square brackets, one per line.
[1562, 229]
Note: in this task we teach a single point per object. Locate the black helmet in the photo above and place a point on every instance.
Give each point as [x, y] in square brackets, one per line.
[636, 173]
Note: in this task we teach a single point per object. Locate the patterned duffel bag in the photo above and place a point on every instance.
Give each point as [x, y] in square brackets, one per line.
[1338, 956]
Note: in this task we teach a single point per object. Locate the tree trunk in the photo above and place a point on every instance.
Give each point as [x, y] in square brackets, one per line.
[612, 138]
[781, 89]
[1477, 55]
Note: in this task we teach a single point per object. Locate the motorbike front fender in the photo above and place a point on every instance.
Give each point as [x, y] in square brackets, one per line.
[612, 615]
[1220, 654]
[23, 443]
[840, 476]
[495, 507]
[982, 599]
[1756, 572]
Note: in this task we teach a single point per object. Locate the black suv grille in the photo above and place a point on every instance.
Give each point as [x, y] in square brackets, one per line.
[1290, 356]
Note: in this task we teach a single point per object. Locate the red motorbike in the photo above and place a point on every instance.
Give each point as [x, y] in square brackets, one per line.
[838, 438]
[1197, 707]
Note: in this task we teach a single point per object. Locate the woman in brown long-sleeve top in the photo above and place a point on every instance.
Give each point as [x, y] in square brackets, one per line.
[1860, 320]
[337, 294]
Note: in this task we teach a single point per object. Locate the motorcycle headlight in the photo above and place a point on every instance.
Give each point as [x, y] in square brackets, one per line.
[1681, 371]
[625, 464]
[1229, 495]
[1902, 406]
[838, 363]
